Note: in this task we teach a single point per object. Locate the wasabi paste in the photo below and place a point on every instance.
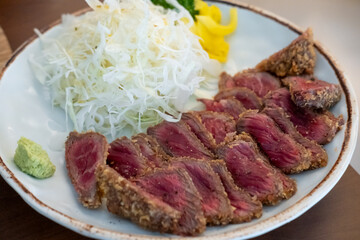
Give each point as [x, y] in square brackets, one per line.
[33, 160]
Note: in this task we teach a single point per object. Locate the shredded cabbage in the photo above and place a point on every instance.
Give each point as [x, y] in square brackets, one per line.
[127, 64]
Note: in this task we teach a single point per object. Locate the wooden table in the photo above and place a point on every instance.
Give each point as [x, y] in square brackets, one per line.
[337, 216]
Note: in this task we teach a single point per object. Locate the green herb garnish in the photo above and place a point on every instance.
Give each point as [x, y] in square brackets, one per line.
[189, 5]
[163, 3]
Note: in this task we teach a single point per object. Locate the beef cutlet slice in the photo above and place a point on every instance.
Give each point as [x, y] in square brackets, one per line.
[215, 203]
[231, 106]
[193, 120]
[124, 198]
[318, 126]
[247, 97]
[318, 157]
[150, 149]
[313, 93]
[211, 128]
[252, 171]
[258, 82]
[245, 207]
[221, 125]
[126, 158]
[282, 150]
[175, 187]
[84, 152]
[177, 140]
[297, 58]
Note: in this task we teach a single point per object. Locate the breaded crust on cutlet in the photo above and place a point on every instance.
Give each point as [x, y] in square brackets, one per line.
[126, 199]
[297, 58]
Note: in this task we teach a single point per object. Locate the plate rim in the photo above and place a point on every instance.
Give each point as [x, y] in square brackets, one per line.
[262, 227]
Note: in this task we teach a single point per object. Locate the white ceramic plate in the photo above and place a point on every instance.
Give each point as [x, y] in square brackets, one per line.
[25, 111]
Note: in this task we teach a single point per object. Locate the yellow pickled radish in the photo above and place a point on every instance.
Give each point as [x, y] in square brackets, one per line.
[216, 28]
[215, 46]
[211, 32]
